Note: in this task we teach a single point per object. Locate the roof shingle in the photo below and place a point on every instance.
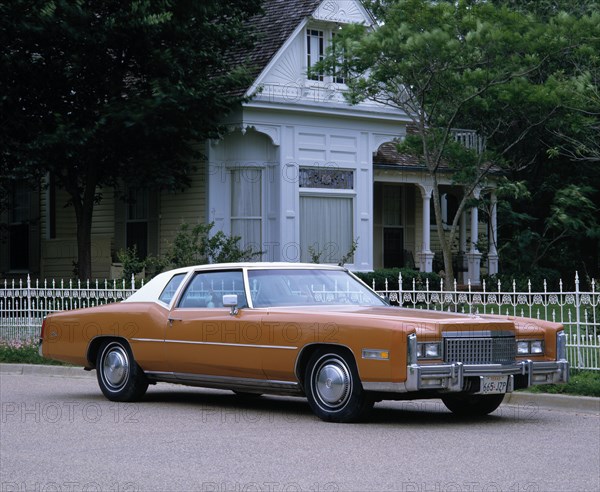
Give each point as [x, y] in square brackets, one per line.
[272, 29]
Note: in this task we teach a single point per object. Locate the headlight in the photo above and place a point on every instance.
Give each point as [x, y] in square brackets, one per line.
[530, 347]
[428, 350]
[432, 350]
[537, 347]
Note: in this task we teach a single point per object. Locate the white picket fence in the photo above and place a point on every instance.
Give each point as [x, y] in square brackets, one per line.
[24, 304]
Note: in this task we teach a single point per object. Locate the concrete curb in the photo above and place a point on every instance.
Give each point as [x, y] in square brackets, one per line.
[43, 370]
[586, 404]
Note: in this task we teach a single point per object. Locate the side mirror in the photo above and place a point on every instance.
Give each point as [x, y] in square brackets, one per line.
[231, 301]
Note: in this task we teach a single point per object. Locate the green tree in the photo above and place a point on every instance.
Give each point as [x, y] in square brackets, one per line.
[460, 64]
[102, 92]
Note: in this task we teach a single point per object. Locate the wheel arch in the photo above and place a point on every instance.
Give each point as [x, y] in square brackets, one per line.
[96, 343]
[307, 352]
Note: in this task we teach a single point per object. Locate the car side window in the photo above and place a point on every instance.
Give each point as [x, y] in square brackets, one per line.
[206, 289]
[168, 292]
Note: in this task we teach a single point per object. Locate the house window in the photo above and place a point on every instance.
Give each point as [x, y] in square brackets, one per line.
[326, 213]
[246, 206]
[393, 230]
[136, 230]
[329, 178]
[326, 227]
[315, 51]
[317, 41]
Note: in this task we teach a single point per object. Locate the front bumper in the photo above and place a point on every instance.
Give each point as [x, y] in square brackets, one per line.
[454, 377]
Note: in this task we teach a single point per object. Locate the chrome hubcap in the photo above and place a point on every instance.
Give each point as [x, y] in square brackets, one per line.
[332, 383]
[115, 367]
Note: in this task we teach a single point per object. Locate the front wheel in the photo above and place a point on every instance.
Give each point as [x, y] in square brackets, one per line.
[472, 405]
[119, 376]
[333, 388]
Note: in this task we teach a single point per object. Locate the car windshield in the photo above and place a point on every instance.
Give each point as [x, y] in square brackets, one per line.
[293, 287]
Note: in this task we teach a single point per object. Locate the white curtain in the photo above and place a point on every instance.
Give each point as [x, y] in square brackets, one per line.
[326, 226]
[246, 206]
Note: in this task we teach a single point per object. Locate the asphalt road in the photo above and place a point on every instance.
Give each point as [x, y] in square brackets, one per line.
[60, 434]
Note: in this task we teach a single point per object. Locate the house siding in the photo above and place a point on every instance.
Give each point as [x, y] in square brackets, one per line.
[188, 206]
[60, 252]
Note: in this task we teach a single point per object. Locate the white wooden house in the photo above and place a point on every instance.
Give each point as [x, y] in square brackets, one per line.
[300, 169]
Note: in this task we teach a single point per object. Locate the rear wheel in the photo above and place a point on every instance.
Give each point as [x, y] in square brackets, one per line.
[333, 388]
[472, 405]
[119, 376]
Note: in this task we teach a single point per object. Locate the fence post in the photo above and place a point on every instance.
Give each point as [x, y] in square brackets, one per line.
[578, 320]
[29, 320]
[400, 296]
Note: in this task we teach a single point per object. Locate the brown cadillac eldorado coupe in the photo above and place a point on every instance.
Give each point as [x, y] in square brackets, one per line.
[305, 330]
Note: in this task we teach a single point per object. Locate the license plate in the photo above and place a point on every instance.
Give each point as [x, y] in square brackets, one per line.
[493, 385]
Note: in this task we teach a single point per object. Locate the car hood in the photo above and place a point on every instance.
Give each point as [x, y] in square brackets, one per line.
[423, 322]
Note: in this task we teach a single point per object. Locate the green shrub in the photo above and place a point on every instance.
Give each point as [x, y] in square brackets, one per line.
[583, 383]
[193, 245]
[132, 265]
[537, 277]
[23, 352]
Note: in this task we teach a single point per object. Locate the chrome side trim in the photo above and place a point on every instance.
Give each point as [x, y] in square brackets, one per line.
[451, 377]
[223, 344]
[227, 382]
[188, 342]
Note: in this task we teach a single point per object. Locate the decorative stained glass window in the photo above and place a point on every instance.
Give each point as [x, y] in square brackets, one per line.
[329, 178]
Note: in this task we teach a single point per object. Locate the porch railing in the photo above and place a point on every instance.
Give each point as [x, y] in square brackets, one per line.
[24, 304]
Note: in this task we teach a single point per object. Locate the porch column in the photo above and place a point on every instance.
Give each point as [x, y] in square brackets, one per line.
[474, 256]
[493, 251]
[462, 248]
[426, 255]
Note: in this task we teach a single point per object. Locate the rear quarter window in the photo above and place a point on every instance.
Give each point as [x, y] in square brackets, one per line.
[168, 292]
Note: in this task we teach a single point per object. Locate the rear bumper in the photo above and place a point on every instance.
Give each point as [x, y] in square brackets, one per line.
[453, 377]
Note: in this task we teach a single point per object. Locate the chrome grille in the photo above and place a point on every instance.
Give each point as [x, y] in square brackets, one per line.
[480, 350]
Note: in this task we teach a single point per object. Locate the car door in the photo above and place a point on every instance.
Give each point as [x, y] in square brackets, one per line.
[204, 338]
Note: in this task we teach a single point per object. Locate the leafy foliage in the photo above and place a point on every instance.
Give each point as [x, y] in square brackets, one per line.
[517, 72]
[23, 352]
[583, 383]
[193, 245]
[100, 92]
[196, 245]
[132, 265]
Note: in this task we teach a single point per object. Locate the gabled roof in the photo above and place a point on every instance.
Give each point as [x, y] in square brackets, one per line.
[272, 29]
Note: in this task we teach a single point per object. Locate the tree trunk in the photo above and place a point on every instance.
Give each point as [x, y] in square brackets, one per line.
[84, 243]
[83, 202]
[448, 266]
[445, 241]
